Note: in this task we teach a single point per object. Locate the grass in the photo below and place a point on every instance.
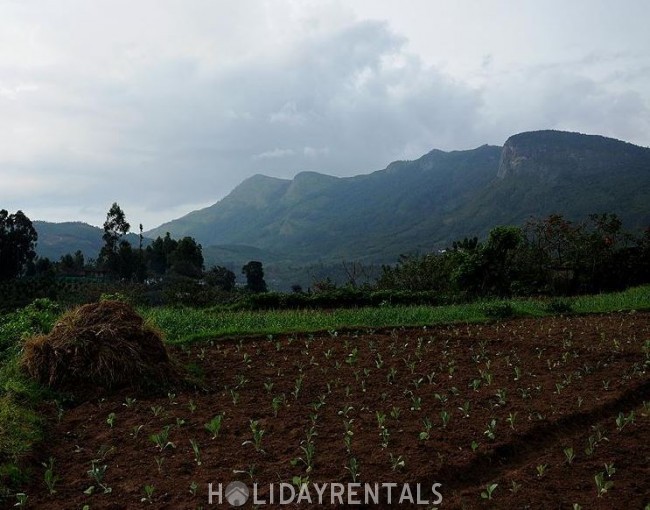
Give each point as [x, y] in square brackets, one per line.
[182, 325]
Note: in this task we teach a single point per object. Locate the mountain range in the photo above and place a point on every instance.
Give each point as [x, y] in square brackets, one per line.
[410, 206]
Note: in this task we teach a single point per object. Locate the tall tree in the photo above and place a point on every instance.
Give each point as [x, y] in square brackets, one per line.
[115, 227]
[254, 276]
[17, 242]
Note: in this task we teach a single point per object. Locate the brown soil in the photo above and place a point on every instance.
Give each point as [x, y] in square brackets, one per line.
[562, 381]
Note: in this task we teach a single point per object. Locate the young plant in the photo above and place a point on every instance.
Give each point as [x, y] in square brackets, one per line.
[445, 417]
[353, 468]
[197, 451]
[490, 432]
[258, 433]
[416, 403]
[148, 494]
[425, 434]
[110, 420]
[161, 440]
[49, 477]
[214, 425]
[489, 490]
[97, 473]
[541, 469]
[465, 409]
[396, 462]
[602, 485]
[511, 419]
[569, 455]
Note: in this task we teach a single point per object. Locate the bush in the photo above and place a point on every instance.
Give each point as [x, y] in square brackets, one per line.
[500, 310]
[559, 306]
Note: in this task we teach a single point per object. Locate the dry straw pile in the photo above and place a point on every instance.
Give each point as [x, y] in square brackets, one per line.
[99, 347]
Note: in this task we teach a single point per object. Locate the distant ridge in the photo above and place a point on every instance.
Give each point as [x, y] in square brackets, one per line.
[419, 205]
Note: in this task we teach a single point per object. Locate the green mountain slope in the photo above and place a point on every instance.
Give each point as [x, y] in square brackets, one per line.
[314, 216]
[427, 203]
[419, 205]
[57, 239]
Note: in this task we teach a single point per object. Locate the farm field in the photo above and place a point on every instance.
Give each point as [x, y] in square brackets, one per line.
[525, 413]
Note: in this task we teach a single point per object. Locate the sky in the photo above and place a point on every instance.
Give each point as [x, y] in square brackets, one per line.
[165, 106]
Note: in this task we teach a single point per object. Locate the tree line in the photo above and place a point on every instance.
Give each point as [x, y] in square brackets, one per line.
[549, 256]
[118, 259]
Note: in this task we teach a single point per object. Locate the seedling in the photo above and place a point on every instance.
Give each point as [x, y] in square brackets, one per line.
[489, 489]
[49, 477]
[416, 403]
[197, 451]
[474, 446]
[156, 410]
[602, 485]
[381, 419]
[465, 409]
[161, 440]
[297, 386]
[258, 433]
[276, 403]
[610, 469]
[191, 405]
[490, 432]
[541, 469]
[21, 500]
[514, 487]
[570, 456]
[268, 386]
[309, 450]
[445, 416]
[353, 468]
[136, 430]
[396, 463]
[385, 436]
[214, 425]
[148, 493]
[128, 402]
[234, 396]
[193, 488]
[345, 411]
[424, 435]
[110, 420]
[97, 473]
[511, 419]
[395, 413]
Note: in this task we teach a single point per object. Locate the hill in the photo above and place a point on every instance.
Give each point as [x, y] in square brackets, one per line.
[57, 239]
[427, 203]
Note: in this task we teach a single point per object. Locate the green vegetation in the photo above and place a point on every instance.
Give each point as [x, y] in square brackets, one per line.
[20, 425]
[190, 324]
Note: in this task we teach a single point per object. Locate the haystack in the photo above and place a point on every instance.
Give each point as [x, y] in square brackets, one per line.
[99, 347]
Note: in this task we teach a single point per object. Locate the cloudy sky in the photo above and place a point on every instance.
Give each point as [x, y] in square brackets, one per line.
[166, 105]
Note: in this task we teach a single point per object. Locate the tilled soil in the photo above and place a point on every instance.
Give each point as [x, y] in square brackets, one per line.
[466, 406]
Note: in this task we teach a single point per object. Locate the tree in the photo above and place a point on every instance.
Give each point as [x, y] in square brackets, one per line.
[221, 277]
[187, 258]
[158, 254]
[254, 276]
[17, 242]
[115, 227]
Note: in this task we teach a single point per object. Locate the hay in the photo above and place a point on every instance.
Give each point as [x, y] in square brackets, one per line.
[99, 347]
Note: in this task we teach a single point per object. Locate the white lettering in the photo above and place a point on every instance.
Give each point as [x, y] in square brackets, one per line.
[434, 489]
[212, 493]
[292, 491]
